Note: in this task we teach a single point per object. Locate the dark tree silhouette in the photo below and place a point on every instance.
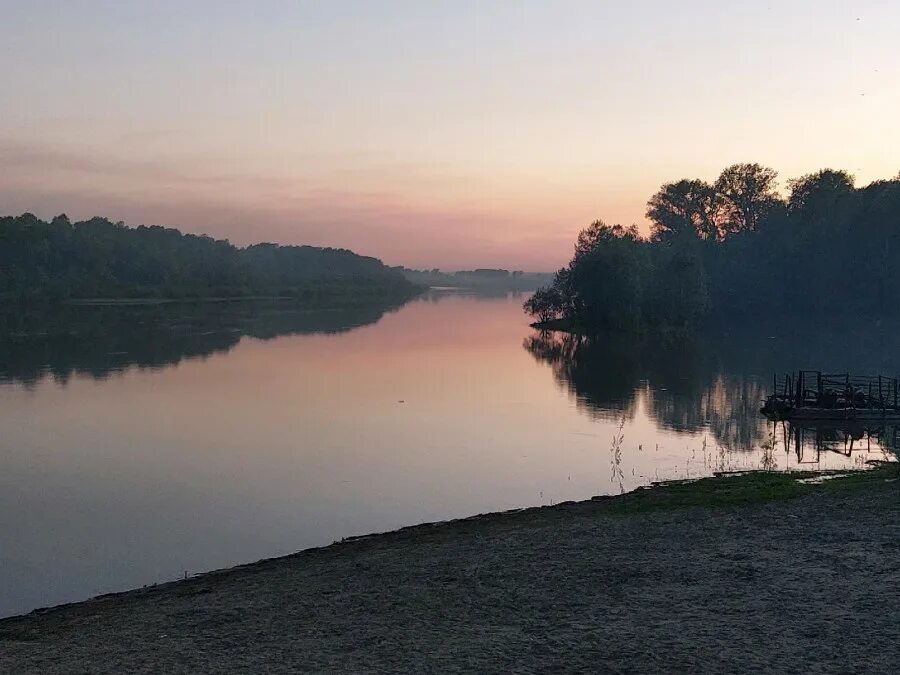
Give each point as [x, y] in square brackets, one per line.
[97, 258]
[818, 194]
[685, 207]
[737, 248]
[746, 192]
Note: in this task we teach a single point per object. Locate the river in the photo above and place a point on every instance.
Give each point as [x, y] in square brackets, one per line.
[140, 444]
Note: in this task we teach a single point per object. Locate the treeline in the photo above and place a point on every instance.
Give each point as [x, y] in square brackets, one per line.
[482, 278]
[96, 258]
[736, 246]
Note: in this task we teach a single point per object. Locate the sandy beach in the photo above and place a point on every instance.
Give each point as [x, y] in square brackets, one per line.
[752, 573]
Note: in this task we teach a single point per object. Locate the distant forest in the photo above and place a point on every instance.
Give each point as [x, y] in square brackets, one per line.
[481, 279]
[736, 247]
[96, 258]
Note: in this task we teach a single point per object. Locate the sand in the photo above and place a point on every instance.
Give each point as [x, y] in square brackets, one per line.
[787, 578]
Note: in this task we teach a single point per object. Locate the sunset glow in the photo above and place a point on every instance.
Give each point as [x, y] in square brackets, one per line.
[446, 134]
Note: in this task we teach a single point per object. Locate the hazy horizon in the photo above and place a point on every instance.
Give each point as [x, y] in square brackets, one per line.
[451, 135]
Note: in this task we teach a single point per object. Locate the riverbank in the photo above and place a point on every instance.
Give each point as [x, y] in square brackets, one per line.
[316, 301]
[758, 572]
[569, 325]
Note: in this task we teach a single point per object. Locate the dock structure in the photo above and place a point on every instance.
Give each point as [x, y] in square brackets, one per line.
[813, 394]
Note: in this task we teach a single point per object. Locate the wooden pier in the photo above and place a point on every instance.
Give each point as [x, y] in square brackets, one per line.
[812, 394]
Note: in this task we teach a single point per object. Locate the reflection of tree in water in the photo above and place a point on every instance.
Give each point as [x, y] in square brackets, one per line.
[603, 387]
[732, 410]
[679, 380]
[808, 441]
[97, 341]
[715, 378]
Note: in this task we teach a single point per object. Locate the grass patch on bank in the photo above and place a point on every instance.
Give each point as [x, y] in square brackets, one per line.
[726, 490]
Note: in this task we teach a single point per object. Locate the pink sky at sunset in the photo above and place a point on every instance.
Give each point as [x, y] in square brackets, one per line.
[445, 134]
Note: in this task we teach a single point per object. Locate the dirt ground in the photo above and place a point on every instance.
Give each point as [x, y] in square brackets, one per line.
[770, 578]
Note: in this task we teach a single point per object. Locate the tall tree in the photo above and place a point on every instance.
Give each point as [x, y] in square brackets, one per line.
[684, 207]
[747, 191]
[820, 191]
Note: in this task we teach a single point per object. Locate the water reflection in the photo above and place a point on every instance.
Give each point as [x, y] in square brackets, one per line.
[809, 441]
[677, 380]
[436, 294]
[208, 449]
[699, 383]
[99, 340]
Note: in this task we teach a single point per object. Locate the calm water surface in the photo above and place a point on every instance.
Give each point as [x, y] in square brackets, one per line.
[140, 444]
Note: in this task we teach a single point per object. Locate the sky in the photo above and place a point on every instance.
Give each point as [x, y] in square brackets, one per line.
[451, 134]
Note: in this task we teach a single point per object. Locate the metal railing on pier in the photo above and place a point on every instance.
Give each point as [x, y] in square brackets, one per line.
[816, 389]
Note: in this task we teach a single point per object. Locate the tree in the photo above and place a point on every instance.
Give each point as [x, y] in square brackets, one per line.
[99, 258]
[684, 207]
[545, 303]
[676, 293]
[747, 191]
[605, 277]
[592, 238]
[820, 191]
[828, 249]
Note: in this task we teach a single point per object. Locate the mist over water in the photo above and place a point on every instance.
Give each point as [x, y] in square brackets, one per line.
[142, 443]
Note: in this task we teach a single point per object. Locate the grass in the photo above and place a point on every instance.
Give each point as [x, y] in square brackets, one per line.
[727, 490]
